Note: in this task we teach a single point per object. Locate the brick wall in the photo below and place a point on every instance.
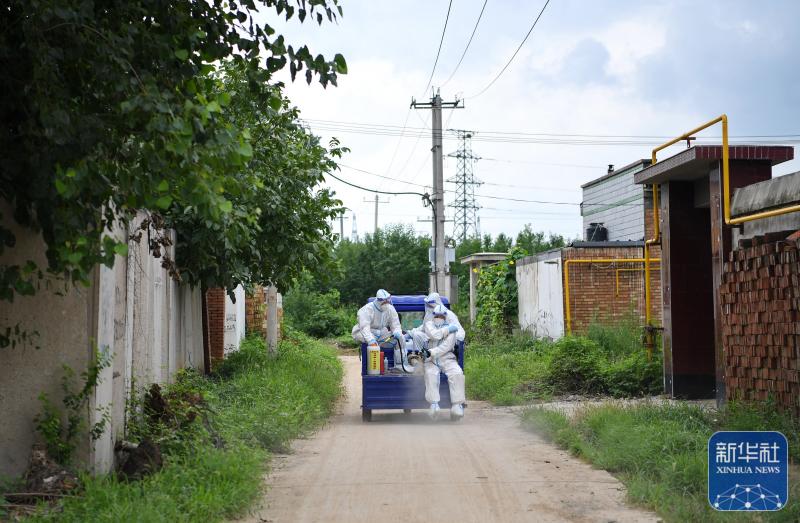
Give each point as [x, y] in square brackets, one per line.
[593, 286]
[760, 296]
[215, 305]
[255, 311]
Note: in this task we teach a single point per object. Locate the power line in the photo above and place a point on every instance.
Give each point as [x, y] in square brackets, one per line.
[399, 141]
[488, 196]
[424, 196]
[468, 44]
[394, 128]
[440, 46]
[523, 138]
[515, 52]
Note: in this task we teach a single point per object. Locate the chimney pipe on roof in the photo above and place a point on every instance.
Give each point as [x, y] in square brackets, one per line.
[610, 168]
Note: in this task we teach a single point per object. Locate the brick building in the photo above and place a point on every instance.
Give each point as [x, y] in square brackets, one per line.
[696, 245]
[599, 290]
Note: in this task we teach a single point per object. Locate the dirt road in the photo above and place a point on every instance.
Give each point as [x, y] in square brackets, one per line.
[404, 468]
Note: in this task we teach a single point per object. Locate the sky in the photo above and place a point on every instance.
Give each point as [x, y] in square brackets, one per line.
[599, 68]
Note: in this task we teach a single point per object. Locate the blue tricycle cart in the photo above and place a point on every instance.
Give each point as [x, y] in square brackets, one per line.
[401, 391]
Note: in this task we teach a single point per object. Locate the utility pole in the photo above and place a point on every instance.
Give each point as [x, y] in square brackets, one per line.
[342, 218]
[440, 277]
[466, 210]
[377, 201]
[354, 234]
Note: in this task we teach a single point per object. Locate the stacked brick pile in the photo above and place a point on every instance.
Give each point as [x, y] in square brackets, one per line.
[255, 312]
[760, 296]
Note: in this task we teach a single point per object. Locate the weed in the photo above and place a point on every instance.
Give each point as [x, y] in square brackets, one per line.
[660, 451]
[61, 429]
[258, 403]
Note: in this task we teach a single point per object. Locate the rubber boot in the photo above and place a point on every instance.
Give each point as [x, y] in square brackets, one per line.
[434, 410]
[457, 411]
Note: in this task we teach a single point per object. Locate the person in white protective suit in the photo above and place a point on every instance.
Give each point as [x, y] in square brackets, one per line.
[419, 334]
[378, 323]
[440, 357]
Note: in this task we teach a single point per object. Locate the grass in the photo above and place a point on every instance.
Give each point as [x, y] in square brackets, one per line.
[514, 370]
[659, 451]
[257, 404]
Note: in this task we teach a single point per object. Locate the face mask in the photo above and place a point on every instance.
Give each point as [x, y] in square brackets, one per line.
[384, 306]
[438, 322]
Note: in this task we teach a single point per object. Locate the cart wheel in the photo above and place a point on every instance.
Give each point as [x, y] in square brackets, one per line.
[407, 411]
[366, 414]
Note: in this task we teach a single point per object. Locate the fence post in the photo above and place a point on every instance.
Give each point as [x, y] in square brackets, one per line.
[272, 320]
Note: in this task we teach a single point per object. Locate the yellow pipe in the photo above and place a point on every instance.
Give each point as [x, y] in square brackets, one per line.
[726, 193]
[591, 260]
[626, 270]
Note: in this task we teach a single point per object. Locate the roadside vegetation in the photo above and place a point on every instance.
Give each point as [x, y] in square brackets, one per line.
[214, 435]
[659, 451]
[609, 360]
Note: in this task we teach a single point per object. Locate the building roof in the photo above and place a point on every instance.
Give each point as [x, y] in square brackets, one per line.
[487, 257]
[694, 162]
[643, 162]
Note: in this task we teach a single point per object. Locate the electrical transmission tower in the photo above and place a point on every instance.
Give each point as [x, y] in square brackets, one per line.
[465, 208]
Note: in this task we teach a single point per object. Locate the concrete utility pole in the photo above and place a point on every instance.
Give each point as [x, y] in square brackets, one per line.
[377, 201]
[341, 226]
[440, 277]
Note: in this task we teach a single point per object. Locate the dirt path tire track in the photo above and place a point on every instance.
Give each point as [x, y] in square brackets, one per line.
[406, 468]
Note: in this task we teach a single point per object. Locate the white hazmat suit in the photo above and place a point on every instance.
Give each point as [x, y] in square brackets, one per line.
[441, 342]
[420, 336]
[379, 320]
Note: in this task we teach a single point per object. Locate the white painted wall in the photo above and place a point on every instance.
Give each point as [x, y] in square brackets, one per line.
[541, 299]
[150, 323]
[235, 320]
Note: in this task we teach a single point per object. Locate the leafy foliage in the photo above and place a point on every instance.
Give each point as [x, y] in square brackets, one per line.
[116, 108]
[256, 402]
[497, 294]
[394, 258]
[318, 314]
[61, 429]
[511, 370]
[575, 366]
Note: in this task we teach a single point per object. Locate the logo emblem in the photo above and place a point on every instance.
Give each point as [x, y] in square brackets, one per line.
[748, 471]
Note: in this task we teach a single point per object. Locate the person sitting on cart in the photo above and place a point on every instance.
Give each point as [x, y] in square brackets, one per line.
[419, 336]
[379, 324]
[440, 357]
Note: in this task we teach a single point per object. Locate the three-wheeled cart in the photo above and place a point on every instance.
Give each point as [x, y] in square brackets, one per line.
[401, 391]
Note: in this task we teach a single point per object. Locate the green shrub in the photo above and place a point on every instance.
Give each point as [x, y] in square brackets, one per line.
[318, 314]
[576, 366]
[659, 451]
[255, 402]
[634, 375]
[618, 338]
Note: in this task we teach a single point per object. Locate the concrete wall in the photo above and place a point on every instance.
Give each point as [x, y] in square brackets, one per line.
[541, 297]
[769, 194]
[149, 323]
[235, 320]
[617, 203]
[61, 315]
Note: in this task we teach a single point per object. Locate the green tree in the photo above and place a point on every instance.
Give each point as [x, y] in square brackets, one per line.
[534, 242]
[394, 258]
[112, 108]
[278, 224]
